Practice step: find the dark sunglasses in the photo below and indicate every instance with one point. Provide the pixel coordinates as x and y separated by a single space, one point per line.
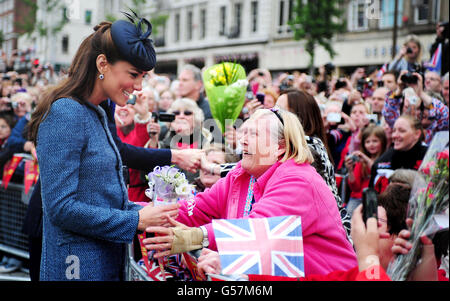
186 113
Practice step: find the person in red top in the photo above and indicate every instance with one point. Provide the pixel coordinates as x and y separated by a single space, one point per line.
359 163
132 122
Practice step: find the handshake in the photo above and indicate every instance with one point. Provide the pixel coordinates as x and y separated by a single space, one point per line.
187 159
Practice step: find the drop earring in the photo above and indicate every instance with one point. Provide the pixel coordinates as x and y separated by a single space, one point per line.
101 76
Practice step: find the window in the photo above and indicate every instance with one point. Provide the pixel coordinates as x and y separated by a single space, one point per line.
88 17
236 30
281 21
202 23
189 26
223 20
387 8
177 27
357 19
254 12
426 11
285 14
421 10
65 44
65 15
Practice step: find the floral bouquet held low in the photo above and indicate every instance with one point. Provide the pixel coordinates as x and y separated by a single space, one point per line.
225 85
168 185
427 204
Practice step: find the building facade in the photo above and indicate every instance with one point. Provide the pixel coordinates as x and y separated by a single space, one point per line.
257 34
253 32
13 16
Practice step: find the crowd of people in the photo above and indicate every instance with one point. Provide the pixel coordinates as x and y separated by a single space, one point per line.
335 137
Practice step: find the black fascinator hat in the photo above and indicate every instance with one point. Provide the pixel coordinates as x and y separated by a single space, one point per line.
133 44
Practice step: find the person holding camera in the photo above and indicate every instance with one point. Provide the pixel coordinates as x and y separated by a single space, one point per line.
359 163
409 56
410 98
442 38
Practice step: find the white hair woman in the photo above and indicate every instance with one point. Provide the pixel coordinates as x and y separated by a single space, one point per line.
187 131
274 178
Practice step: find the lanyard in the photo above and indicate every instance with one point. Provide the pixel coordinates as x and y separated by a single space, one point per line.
250 199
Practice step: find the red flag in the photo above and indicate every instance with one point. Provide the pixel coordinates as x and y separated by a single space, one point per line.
9 169
31 174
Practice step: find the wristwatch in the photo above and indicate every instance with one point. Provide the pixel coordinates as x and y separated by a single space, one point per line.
205 242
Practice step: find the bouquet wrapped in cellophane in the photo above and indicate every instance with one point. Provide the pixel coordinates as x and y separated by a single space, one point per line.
167 185
225 85
427 204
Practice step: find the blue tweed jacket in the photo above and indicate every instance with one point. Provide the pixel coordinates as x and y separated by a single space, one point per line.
87 218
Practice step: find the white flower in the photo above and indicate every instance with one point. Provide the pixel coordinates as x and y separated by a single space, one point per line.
240 83
184 189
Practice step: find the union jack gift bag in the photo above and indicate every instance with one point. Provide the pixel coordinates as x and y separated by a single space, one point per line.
261 246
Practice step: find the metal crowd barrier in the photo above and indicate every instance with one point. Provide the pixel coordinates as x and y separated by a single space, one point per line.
133 272
13 207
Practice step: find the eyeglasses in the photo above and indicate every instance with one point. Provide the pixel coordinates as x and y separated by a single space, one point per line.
276 110
186 113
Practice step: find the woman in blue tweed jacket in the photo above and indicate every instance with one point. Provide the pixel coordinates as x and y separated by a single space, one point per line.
87 218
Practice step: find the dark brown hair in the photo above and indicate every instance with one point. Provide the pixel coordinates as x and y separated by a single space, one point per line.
395 201
82 75
308 112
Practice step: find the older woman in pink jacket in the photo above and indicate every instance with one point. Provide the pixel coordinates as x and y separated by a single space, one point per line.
274 178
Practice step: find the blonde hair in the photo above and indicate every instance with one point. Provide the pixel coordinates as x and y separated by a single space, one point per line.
22 96
290 135
415 40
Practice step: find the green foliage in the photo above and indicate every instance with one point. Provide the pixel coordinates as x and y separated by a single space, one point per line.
317 22
30 25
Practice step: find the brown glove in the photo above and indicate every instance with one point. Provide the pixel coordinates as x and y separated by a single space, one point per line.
186 240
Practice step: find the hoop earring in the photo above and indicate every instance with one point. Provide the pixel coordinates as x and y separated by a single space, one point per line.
101 76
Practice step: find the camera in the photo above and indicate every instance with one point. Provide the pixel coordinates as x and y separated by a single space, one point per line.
409 50
409 78
163 117
369 203
132 99
334 117
354 158
373 118
260 97
363 84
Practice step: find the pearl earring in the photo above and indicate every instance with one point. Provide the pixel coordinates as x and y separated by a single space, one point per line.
101 76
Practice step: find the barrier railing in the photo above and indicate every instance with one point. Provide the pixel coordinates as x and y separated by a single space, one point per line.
13 207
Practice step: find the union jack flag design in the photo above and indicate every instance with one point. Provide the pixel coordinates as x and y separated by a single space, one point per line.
261 246
435 62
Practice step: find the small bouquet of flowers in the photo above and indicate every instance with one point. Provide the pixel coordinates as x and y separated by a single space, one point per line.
168 185
428 201
225 85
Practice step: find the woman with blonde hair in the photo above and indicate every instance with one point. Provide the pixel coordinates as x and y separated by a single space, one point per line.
409 56
274 178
